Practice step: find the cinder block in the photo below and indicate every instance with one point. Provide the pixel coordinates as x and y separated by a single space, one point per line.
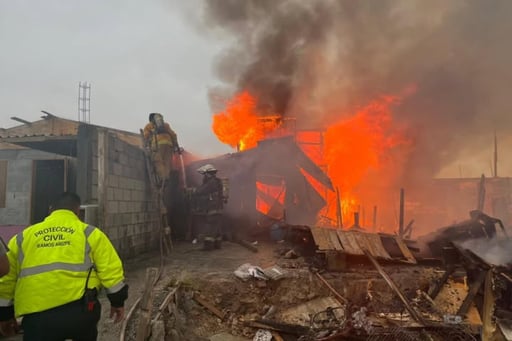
110 193
118 194
113 207
113 180
117 169
123 159
127 194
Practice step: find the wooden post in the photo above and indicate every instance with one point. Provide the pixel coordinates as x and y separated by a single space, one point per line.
481 194
495 155
374 223
414 314
402 213
488 326
146 304
339 213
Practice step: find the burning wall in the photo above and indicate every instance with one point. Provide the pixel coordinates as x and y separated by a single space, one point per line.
328 62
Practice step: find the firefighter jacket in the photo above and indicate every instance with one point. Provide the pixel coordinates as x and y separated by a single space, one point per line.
50 262
209 197
159 136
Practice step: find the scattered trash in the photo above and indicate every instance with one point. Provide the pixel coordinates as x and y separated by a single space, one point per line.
360 320
452 319
262 335
246 271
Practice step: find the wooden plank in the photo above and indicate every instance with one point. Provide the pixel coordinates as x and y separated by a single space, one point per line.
473 290
209 306
405 250
436 289
488 326
321 242
146 304
336 294
414 314
333 237
372 245
349 243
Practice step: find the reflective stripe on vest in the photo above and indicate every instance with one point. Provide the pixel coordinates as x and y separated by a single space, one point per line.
85 266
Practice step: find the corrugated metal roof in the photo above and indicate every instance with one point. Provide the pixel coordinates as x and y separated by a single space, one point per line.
354 243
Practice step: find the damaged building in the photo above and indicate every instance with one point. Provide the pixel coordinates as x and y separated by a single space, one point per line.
105 166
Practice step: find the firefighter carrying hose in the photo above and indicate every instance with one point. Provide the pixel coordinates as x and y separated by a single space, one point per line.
162 142
208 201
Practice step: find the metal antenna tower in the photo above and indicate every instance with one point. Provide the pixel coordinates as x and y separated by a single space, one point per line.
84 102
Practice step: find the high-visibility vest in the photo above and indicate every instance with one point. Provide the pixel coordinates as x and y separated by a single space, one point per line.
50 262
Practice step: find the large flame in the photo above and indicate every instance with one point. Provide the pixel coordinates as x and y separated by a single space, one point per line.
239 125
348 151
355 147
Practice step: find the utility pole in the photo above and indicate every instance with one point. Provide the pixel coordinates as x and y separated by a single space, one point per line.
84 102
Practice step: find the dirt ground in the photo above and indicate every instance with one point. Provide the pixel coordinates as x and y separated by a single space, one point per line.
210 274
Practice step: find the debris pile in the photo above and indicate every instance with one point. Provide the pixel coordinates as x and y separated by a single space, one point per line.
378 293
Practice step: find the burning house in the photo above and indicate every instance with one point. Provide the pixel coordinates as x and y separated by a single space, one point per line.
269 181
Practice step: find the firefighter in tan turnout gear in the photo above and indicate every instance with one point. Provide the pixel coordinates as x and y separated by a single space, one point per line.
56 269
208 201
162 142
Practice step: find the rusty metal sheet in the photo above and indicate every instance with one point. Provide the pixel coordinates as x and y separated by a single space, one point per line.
349 243
333 237
321 240
405 250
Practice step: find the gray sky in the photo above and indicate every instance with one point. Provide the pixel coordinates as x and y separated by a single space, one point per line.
139 56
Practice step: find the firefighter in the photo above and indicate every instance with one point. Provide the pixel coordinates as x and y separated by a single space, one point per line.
208 204
162 141
56 269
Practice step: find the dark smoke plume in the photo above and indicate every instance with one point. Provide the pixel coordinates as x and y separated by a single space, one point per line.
318 59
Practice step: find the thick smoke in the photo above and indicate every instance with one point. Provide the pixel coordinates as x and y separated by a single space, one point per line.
318 59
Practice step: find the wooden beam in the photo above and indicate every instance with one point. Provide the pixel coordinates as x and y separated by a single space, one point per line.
14 118
414 314
473 290
434 291
340 298
209 306
488 308
146 304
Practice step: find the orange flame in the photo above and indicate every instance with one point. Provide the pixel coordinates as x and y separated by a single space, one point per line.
355 147
349 150
239 124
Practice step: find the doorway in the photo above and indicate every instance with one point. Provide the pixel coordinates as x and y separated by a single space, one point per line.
50 179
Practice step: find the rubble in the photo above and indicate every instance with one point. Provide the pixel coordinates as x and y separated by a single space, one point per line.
373 297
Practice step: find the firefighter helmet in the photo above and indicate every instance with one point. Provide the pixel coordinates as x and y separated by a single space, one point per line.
208 168
152 116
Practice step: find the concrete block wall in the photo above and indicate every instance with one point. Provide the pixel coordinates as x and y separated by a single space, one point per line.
127 206
19 184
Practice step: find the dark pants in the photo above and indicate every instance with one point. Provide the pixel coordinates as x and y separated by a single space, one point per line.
69 321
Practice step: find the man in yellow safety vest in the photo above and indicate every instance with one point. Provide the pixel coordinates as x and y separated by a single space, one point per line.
56 269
